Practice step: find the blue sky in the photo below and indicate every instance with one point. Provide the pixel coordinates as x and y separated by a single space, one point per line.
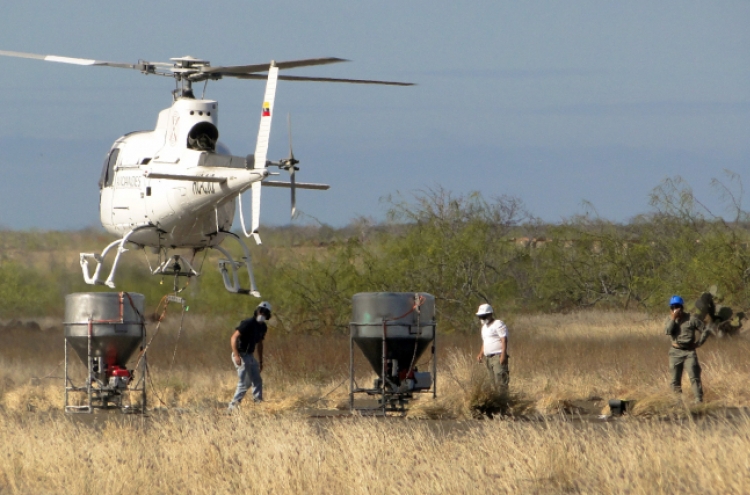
556 103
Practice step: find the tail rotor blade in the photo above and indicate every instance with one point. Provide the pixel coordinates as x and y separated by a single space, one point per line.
294 191
292 165
289 127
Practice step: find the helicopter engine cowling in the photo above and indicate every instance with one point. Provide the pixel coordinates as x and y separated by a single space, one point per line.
187 120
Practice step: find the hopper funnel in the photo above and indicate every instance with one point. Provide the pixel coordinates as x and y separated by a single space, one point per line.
115 321
405 320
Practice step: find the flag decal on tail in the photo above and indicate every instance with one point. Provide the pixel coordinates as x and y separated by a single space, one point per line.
266 110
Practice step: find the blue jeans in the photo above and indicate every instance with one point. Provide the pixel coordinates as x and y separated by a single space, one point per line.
248 374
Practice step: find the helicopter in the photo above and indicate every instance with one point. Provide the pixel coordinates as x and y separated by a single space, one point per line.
177 186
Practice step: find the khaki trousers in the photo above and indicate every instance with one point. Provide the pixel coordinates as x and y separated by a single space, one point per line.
682 359
499 373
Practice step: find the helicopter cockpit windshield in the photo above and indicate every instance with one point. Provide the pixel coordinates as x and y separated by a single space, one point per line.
108 170
203 137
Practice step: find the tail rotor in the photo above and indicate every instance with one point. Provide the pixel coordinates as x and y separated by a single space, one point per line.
290 165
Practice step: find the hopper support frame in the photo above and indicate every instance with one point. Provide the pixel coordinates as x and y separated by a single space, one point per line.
392 392
102 389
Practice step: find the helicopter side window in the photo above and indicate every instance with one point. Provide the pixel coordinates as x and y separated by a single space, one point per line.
226 161
108 171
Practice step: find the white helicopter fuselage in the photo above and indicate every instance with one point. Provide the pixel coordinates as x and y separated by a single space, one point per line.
176 186
155 178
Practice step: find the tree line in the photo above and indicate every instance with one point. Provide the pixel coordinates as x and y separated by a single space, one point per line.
464 249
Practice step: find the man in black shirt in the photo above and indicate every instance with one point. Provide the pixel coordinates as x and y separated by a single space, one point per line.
247 337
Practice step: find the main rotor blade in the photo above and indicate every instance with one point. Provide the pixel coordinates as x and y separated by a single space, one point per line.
238 71
71 60
250 69
323 79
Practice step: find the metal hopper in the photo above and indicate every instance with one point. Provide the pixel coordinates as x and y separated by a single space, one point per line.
393 330
116 324
104 329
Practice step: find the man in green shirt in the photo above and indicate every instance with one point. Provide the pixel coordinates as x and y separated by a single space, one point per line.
681 327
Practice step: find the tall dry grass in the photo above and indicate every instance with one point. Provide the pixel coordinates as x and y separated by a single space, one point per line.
209 453
555 360
559 364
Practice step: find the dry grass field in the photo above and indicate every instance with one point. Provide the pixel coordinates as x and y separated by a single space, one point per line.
563 370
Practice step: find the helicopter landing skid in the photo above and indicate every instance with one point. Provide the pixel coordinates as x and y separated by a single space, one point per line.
120 245
232 284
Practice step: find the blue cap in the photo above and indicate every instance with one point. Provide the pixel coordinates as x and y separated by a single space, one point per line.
676 300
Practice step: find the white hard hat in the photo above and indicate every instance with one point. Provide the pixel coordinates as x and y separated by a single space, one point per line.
264 305
484 309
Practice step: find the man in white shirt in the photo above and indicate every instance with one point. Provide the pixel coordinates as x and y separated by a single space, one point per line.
494 351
